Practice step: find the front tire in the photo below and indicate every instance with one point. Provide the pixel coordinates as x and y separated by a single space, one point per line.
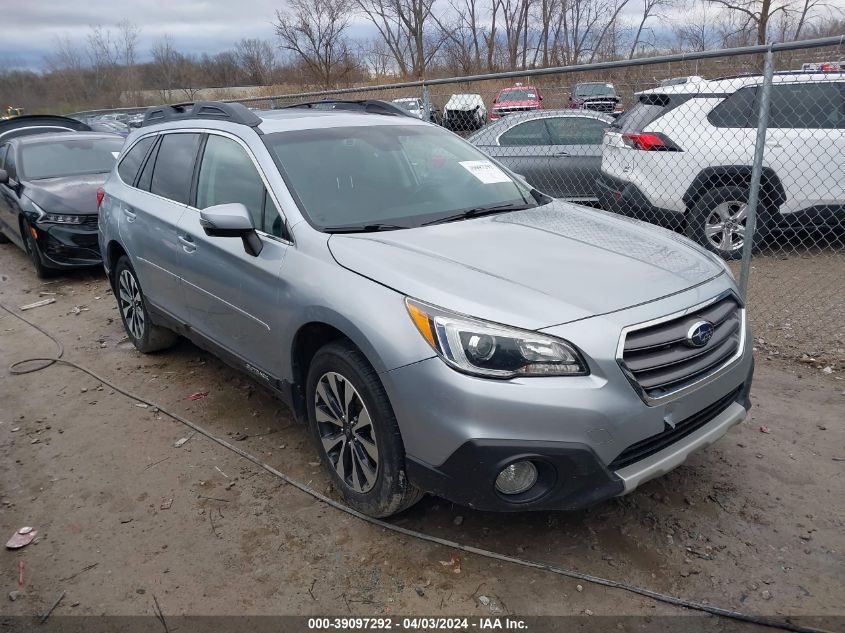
717 221
144 334
355 430
33 251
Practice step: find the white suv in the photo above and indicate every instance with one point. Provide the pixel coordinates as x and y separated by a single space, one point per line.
682 155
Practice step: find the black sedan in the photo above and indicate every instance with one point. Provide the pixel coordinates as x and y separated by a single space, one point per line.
557 151
48 195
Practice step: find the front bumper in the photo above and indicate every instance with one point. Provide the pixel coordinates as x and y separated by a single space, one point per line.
625 198
68 246
591 437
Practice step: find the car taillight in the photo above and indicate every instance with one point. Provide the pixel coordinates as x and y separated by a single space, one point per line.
650 142
101 193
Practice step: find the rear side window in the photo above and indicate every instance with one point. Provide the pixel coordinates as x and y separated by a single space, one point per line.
576 130
131 163
174 166
147 172
807 106
738 110
528 133
647 110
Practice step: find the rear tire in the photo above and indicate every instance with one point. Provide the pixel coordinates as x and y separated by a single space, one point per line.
144 334
355 431
717 221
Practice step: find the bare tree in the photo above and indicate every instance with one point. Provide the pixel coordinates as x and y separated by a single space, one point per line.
222 70
698 33
464 35
66 68
515 14
102 59
406 26
754 14
314 32
126 48
167 65
257 59
651 9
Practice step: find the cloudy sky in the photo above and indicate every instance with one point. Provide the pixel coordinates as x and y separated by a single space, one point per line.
29 27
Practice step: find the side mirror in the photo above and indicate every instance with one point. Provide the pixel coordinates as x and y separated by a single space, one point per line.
231 220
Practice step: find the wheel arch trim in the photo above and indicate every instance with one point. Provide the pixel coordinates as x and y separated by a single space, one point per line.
731 175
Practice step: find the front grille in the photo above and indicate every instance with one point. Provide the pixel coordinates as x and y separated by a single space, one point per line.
660 358
657 443
600 106
509 110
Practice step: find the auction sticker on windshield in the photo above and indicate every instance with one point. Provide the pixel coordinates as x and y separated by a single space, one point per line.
485 171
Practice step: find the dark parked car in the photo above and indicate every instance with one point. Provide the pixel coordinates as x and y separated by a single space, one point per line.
597 96
49 195
556 151
38 124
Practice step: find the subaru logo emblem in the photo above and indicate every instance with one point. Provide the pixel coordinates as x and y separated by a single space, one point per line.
700 334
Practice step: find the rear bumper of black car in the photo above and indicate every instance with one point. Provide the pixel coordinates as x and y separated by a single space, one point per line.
68 246
626 199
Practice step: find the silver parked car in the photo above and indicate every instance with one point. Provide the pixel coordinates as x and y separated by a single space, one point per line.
441 326
557 151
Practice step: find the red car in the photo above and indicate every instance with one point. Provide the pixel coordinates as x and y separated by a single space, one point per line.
517 98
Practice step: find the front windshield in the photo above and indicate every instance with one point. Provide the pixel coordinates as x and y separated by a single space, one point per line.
402 175
69 157
593 90
518 95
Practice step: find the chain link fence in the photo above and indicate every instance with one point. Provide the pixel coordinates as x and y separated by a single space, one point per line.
742 151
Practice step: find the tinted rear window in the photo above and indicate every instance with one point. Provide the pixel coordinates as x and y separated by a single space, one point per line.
174 166
130 164
807 106
648 109
69 157
736 111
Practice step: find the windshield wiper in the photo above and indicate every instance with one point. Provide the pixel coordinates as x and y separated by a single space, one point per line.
479 211
363 228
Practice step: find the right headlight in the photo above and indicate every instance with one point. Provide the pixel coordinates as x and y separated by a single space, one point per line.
492 350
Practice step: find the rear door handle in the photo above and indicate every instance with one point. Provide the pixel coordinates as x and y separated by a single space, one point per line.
188 244
130 215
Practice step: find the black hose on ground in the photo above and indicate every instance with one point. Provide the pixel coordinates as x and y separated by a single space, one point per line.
17 368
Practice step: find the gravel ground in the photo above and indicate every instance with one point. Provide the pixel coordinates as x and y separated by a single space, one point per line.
753 523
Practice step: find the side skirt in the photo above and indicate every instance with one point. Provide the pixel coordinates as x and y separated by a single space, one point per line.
282 389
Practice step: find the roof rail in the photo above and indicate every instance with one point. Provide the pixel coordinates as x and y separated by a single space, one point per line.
216 110
369 106
780 73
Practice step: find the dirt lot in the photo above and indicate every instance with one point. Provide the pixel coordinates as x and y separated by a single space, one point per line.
755 523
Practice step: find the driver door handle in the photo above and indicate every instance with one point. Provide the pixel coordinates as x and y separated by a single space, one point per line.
188 244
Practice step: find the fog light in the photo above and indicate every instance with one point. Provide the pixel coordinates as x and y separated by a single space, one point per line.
516 478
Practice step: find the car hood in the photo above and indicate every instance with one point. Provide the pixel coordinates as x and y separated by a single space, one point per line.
464 102
68 194
531 269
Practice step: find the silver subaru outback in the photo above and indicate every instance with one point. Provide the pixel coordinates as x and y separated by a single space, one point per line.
440 325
